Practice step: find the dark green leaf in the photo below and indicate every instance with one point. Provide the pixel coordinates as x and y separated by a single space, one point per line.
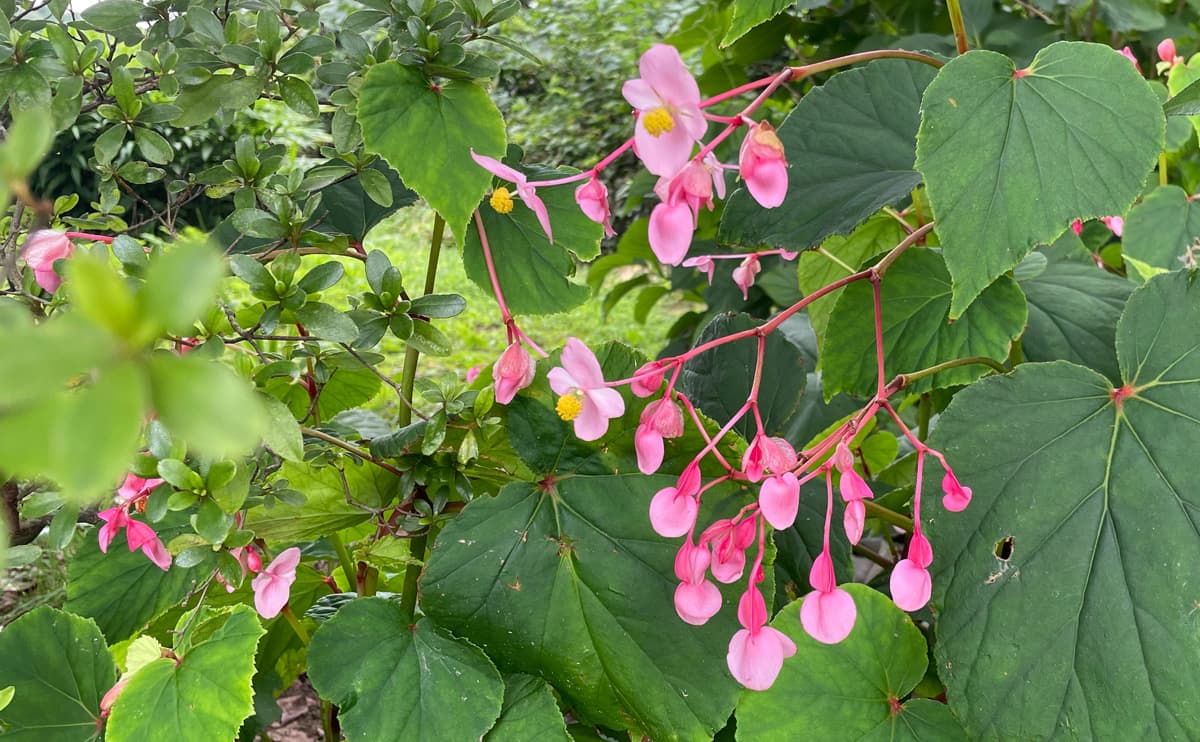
117 15
323 321
1161 232
321 277
438 305
529 713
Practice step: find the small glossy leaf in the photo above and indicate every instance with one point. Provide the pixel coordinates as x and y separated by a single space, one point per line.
438 306
323 321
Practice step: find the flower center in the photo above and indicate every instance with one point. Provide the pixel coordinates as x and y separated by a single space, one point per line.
569 405
501 200
658 122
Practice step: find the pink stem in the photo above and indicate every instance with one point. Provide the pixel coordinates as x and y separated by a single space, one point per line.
87 236
491 267
879 382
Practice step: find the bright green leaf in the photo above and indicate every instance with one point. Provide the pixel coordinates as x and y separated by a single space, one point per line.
180 284
323 321
529 713
206 404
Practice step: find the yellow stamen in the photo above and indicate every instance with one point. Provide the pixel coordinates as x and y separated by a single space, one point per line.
658 122
501 201
569 406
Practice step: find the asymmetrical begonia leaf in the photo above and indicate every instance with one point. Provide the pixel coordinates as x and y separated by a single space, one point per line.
853 689
393 681
1161 232
1011 157
1075 563
59 668
852 142
529 713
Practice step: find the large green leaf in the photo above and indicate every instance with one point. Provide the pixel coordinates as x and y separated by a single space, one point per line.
427 131
60 668
202 696
325 509
569 581
1160 232
718 381
849 690
530 713
1084 623
852 142
392 681
916 297
1073 307
535 274
1011 157
123 590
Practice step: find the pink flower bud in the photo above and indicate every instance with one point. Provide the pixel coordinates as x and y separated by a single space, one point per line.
854 519
728 542
779 499
755 657
1077 227
1114 223
920 551
843 459
513 372
704 264
744 274
1166 51
1129 55
763 166
473 374
854 487
40 250
911 585
648 379
592 198
696 602
956 497
670 231
673 513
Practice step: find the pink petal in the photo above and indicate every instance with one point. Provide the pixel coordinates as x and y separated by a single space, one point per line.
696 603
44 246
768 184
512 372
752 609
729 568
822 576
533 201
920 552
663 69
911 585
157 553
608 401
1077 226
665 154
756 657
495 167
640 95
853 487
649 446
670 232
580 362
270 594
854 519
109 530
842 458
139 534
828 617
779 499
285 563
561 381
590 423
957 497
672 514
47 279
648 379
692 120
691 562
1166 50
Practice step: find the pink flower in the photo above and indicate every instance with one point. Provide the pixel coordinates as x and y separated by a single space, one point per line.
1115 223
249 560
1077 227
744 274
779 499
1129 55
756 653
828 613
728 541
583 396
661 419
40 250
512 372
696 599
854 487
137 534
502 202
673 510
854 519
134 487
274 584
592 198
473 374
762 165
767 454
1166 52
667 100
648 379
854 490
956 497
843 459
673 220
910 582
704 264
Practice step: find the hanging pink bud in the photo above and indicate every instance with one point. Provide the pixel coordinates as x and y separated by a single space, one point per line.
592 198
648 379
661 419
911 585
843 459
670 231
854 519
854 487
729 541
920 551
762 165
779 499
828 613
1077 227
704 264
956 497
744 274
689 480
755 657
781 458
1166 51
40 250
1128 54
512 372
1114 223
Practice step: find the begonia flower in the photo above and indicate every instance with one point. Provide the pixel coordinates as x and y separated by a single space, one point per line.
501 199
40 250
1166 53
660 419
1077 227
704 264
673 220
854 490
673 510
910 583
728 542
696 599
592 198
956 497
648 379
756 653
779 500
744 274
828 613
669 119
1128 54
583 396
762 165
273 585
138 535
512 372
765 453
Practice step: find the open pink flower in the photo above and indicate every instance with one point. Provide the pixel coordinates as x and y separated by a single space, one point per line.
764 453
592 198
744 274
512 372
756 653
40 250
137 534
584 398
828 613
696 599
956 497
661 419
667 100
762 165
779 499
274 584
729 541
910 583
502 201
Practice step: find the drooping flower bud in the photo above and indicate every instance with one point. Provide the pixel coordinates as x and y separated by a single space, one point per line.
763 166
592 198
744 274
512 372
648 379
40 250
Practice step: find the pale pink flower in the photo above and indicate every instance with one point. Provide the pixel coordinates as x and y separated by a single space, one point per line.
1128 54
40 250
956 497
854 519
273 585
592 198
648 379
704 264
828 613
744 274
779 499
843 459
667 100
525 189
696 599
910 583
728 541
756 653
584 398
512 372
137 534
660 419
764 453
134 487
854 490
673 510
1114 223
762 165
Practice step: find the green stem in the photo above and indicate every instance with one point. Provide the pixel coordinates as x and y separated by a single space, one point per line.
924 412
1015 354
1162 168
863 551
327 721
960 28
294 622
344 560
889 516
983 360
408 595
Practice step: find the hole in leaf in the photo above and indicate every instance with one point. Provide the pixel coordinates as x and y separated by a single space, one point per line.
1004 548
